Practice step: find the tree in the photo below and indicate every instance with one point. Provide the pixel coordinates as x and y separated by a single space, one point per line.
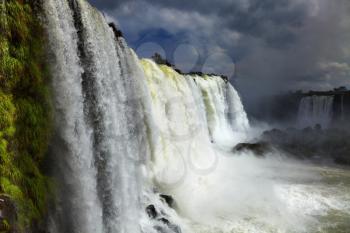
157 58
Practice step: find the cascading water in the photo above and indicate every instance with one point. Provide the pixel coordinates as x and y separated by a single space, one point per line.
81 209
315 110
112 123
128 130
101 142
191 113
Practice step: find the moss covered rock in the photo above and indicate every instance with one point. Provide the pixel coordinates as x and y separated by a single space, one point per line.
25 112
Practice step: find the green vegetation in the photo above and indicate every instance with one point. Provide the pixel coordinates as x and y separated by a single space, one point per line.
6 226
25 116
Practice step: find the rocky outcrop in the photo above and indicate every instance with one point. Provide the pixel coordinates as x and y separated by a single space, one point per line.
259 149
116 31
151 211
157 58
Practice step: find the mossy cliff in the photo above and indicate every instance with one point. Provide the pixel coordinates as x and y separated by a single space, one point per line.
25 113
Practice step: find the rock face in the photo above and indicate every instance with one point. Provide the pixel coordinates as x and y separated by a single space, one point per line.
8 215
259 148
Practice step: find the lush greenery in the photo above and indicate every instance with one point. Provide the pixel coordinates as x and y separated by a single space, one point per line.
24 110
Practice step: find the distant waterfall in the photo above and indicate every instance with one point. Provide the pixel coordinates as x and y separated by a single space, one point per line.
315 110
124 128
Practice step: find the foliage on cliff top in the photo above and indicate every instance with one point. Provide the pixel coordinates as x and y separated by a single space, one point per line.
24 110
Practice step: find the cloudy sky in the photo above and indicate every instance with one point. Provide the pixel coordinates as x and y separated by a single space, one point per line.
265 46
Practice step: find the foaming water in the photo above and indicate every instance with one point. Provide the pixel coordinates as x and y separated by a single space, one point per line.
246 194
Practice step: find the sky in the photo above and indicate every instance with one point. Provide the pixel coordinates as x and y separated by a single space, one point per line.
264 46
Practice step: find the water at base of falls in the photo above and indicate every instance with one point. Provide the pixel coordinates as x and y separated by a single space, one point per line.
128 131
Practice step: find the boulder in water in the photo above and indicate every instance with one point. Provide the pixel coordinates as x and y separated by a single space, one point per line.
259 148
151 211
167 199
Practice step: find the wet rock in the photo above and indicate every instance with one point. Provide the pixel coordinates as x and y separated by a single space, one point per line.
169 227
168 199
151 211
116 31
259 149
164 220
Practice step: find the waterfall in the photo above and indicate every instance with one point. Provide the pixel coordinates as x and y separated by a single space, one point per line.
342 112
73 149
191 113
315 110
100 119
126 129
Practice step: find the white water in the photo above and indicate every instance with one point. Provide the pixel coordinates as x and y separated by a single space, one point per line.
192 117
315 110
128 129
82 210
101 144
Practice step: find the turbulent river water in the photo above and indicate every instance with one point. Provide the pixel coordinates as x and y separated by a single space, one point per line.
128 130
272 196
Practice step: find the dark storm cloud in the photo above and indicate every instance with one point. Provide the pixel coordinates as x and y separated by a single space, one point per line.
276 44
107 4
275 21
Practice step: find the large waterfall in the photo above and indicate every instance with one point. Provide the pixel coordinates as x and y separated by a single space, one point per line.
127 129
315 110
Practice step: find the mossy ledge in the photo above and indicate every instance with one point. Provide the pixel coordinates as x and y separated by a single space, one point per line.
25 114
